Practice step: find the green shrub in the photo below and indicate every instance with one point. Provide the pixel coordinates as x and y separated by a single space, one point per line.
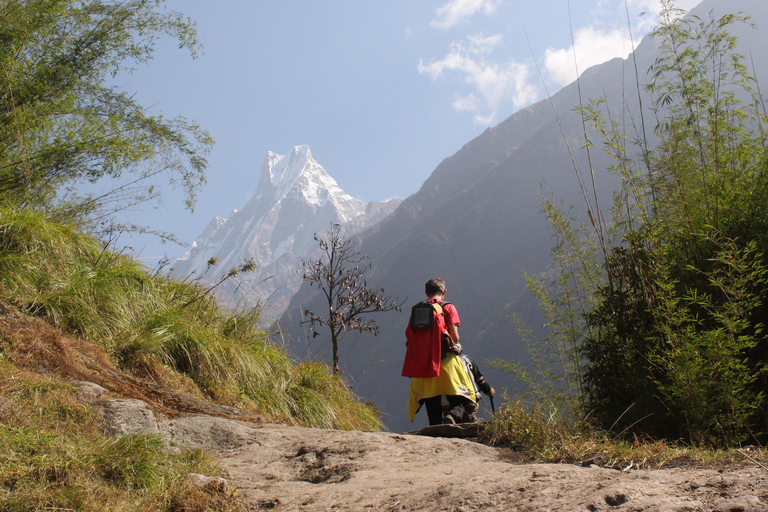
660 332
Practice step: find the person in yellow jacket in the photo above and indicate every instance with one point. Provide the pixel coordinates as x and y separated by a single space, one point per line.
453 380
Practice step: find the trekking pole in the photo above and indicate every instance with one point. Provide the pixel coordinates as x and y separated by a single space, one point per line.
493 409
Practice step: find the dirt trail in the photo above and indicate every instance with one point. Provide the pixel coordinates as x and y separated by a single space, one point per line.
291 468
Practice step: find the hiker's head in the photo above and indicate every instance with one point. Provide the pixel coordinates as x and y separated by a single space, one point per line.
434 286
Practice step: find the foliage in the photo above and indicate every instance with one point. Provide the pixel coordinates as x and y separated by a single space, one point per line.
339 275
677 349
61 121
666 329
162 328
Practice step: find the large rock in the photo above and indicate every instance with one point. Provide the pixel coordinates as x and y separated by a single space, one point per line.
206 432
127 416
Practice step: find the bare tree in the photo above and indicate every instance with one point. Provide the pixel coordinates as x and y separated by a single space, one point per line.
340 274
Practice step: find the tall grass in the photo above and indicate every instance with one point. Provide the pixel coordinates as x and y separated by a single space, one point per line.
53 456
165 329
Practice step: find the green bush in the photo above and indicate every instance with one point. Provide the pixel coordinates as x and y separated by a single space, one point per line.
676 348
655 318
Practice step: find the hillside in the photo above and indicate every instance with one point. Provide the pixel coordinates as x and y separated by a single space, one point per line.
34 345
105 365
477 220
279 467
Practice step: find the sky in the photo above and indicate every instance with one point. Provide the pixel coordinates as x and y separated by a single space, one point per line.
382 92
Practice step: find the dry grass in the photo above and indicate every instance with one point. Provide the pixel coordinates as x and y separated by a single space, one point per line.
550 438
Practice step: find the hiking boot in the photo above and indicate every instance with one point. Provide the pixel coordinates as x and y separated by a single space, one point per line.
448 420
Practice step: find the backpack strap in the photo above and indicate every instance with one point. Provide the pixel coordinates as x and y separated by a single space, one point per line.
438 306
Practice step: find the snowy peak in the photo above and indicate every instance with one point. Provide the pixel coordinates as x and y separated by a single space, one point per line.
284 170
298 173
294 199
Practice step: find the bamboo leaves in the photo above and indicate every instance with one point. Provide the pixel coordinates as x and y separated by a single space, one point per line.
62 123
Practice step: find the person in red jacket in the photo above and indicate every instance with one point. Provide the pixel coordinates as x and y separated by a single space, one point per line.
452 380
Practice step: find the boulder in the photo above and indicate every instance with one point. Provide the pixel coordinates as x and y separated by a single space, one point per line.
127 416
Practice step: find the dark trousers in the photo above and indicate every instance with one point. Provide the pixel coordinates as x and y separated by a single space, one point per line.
459 407
434 409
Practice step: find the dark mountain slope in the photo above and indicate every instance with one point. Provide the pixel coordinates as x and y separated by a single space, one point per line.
476 222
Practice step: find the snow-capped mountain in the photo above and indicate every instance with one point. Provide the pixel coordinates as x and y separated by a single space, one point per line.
294 199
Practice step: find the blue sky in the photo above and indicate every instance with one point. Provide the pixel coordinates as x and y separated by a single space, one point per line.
382 92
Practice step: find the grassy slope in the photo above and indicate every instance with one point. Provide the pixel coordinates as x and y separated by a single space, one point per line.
69 309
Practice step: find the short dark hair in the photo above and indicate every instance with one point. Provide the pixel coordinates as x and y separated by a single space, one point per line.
434 287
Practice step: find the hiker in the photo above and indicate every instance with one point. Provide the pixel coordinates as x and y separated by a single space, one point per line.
479 382
433 361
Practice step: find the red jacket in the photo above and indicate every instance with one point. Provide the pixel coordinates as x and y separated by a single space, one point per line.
422 355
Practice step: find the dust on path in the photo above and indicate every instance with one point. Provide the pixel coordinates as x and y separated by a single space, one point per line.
293 468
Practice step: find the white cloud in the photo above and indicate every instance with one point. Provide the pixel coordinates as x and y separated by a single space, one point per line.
653 6
494 83
458 11
593 47
597 45
466 103
651 9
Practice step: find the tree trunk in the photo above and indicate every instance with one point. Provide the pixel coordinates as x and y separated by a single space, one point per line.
335 354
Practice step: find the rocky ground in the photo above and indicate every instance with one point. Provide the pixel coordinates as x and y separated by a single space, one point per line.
289 468
279 467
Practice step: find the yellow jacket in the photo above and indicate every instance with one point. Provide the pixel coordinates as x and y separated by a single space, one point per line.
453 380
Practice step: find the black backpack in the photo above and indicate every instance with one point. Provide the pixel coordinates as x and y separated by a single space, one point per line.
423 317
423 314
